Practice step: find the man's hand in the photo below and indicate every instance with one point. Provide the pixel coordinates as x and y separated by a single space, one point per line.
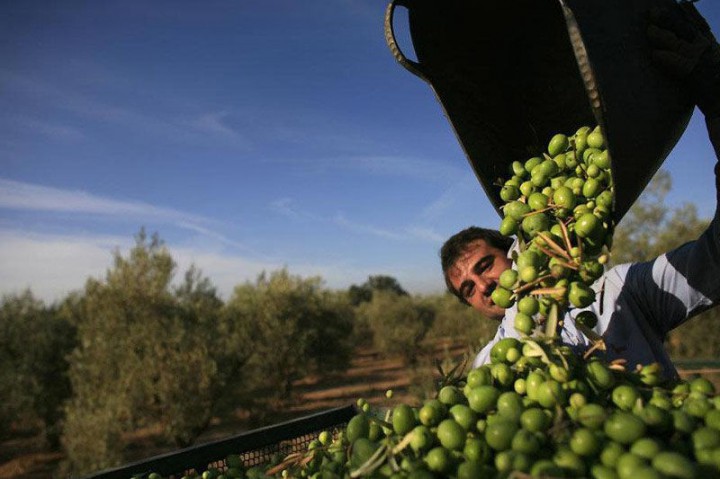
685 48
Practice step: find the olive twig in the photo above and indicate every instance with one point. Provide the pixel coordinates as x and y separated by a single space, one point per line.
531 284
537 212
291 459
393 463
380 422
556 247
548 291
565 235
589 333
597 346
580 248
373 462
404 442
573 265
617 366
547 252
560 424
621 361
556 350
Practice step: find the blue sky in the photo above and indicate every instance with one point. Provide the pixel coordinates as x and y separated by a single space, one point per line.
249 135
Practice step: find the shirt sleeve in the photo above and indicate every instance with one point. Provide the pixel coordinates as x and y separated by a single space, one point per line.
692 273
679 284
685 281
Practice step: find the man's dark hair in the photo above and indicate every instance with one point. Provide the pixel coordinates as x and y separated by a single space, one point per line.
456 245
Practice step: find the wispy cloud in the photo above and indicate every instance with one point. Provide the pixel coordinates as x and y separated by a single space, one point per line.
215 123
15 195
441 204
243 128
395 166
50 130
69 99
406 233
53 266
289 208
427 234
366 229
455 196
206 232
423 169
250 124
203 129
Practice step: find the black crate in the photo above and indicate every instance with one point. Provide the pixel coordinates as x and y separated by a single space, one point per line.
254 447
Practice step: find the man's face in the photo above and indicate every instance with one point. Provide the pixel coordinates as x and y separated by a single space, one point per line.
475 275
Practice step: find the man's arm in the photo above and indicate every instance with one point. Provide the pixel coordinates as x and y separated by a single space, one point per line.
686 280
684 47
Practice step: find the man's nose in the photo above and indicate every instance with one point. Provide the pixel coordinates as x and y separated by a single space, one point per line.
483 284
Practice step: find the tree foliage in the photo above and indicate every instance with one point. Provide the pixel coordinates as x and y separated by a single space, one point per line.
33 370
143 357
651 227
398 323
459 322
364 292
297 328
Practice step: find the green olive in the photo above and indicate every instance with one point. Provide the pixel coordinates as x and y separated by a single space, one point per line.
532 163
595 138
588 226
518 169
509 193
516 210
564 197
558 144
537 201
502 297
508 226
580 295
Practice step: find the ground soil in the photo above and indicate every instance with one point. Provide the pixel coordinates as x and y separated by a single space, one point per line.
25 455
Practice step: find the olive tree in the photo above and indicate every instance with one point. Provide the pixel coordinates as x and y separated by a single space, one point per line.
34 340
364 292
459 322
398 323
144 356
297 328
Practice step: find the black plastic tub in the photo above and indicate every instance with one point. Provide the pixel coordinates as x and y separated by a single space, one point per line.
255 447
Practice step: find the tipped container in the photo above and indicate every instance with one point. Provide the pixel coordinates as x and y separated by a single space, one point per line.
511 74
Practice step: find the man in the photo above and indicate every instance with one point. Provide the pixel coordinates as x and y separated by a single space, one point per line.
472 261
638 304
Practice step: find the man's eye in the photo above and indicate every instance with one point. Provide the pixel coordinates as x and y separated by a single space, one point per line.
483 265
468 291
